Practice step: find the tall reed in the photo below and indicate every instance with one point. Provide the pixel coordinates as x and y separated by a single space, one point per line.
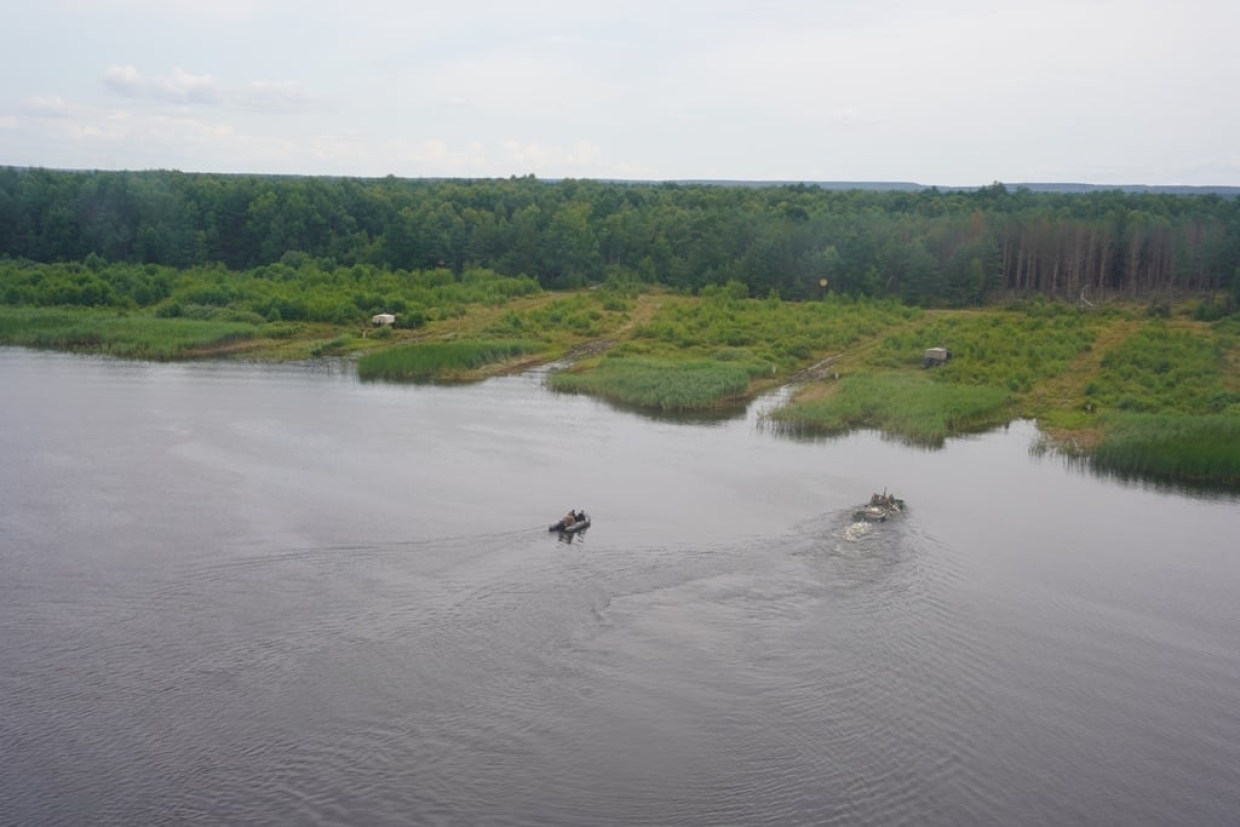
911 406
1169 446
665 385
440 360
138 336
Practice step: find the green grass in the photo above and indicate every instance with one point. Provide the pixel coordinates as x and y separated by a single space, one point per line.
786 334
588 315
1173 447
912 406
129 336
1164 370
661 384
440 360
1013 350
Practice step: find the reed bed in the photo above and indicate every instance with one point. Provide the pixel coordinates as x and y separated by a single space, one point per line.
911 406
664 385
123 336
441 360
1172 447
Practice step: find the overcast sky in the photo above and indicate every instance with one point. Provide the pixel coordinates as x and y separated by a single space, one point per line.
946 92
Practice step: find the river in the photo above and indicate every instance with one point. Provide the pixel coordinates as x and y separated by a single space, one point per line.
272 594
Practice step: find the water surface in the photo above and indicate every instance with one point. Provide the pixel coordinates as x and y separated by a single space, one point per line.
237 593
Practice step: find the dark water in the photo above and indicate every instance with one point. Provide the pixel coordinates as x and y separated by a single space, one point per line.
273 595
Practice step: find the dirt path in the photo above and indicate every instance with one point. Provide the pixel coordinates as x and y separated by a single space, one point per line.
646 306
1070 385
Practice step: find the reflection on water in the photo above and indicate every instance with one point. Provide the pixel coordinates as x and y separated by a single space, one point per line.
1083 465
713 416
273 594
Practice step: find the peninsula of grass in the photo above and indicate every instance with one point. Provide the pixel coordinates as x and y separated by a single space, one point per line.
441 361
910 406
120 334
661 384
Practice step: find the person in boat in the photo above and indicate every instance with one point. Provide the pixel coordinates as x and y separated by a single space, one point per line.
569 519
883 500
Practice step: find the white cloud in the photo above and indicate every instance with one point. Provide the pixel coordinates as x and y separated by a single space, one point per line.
576 161
337 151
268 96
125 80
437 157
189 88
46 106
103 128
179 87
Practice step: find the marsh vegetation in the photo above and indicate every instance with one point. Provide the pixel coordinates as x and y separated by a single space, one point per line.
441 360
1141 393
911 406
131 336
662 384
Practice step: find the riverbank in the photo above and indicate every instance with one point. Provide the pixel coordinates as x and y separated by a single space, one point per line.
1153 394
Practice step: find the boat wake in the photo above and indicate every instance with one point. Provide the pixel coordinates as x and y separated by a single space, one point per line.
857 530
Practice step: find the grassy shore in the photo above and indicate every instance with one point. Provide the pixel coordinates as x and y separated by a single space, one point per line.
441 360
662 384
911 406
1203 449
1138 393
128 336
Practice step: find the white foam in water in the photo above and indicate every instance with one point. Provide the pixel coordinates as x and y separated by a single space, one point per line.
857 530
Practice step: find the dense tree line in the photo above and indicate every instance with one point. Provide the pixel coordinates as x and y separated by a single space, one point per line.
928 247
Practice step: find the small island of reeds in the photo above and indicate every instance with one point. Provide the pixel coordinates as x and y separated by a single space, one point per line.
661 384
911 406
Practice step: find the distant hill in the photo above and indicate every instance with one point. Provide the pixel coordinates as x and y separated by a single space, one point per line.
839 186
910 186
1167 189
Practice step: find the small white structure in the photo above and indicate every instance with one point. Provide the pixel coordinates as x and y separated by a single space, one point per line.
935 356
383 319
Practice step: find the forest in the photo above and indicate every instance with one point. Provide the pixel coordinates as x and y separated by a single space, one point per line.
132 233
